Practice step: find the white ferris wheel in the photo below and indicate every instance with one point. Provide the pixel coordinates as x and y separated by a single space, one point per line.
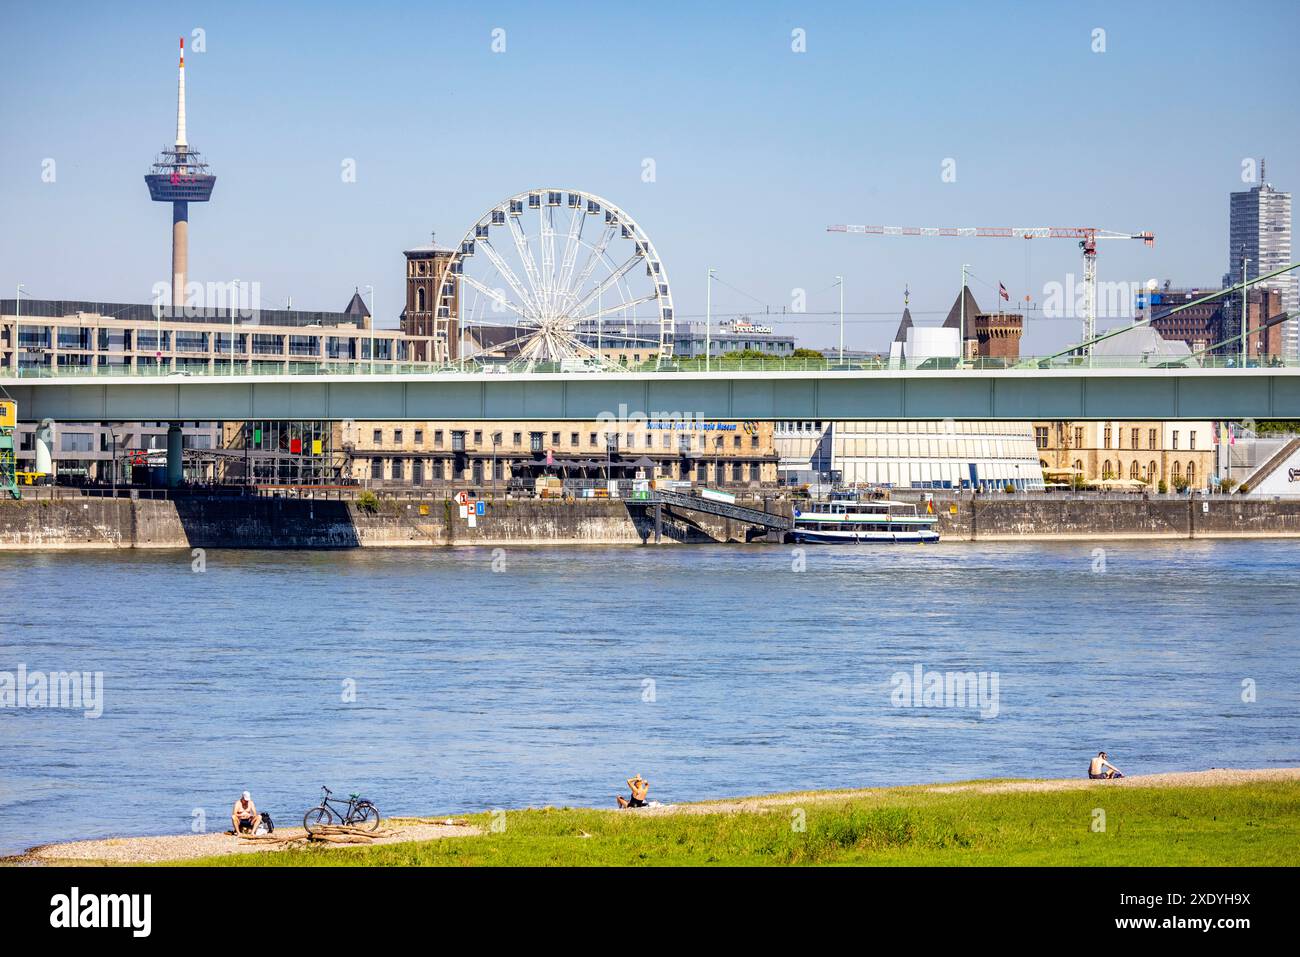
565 273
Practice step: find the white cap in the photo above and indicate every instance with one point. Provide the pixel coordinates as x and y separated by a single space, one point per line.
247 796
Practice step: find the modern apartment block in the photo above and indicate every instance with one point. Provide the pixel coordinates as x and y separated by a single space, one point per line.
68 337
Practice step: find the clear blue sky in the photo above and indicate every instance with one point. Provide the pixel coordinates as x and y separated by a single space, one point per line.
757 148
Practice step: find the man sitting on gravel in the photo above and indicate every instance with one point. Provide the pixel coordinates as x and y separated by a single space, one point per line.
244 817
1098 765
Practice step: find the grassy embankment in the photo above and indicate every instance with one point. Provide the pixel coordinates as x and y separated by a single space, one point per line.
1245 825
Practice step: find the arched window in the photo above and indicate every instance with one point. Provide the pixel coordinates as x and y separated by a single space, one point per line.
1178 471
1078 466
1105 469
1153 472
1134 470
1191 473
419 300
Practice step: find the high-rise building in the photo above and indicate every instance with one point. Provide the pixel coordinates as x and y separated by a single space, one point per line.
1259 229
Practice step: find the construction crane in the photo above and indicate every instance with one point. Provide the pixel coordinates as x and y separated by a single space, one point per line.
1087 237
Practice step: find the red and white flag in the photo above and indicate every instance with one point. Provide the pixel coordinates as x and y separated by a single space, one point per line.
1002 291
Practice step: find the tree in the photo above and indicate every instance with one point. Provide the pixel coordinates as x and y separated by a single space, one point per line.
746 354
802 353
1270 426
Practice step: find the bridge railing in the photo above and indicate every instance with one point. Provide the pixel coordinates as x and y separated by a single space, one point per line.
148 369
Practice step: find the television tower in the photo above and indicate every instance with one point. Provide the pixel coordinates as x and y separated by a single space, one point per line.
180 177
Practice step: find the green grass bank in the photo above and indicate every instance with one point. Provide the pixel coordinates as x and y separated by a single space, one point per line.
981 823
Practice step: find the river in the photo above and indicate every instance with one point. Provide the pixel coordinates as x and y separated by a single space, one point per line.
457 680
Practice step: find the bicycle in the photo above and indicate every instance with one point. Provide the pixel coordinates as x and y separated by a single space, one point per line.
358 813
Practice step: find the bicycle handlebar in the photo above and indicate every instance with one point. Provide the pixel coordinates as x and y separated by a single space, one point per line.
325 789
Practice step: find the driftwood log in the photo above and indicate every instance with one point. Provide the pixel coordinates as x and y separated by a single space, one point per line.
325 834
273 838
347 834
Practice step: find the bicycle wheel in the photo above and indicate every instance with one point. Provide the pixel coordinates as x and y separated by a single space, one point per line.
318 817
366 816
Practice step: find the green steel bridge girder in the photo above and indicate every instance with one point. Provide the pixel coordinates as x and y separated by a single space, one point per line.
1016 395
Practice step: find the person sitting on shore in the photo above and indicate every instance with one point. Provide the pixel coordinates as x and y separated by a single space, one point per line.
639 786
244 816
1098 765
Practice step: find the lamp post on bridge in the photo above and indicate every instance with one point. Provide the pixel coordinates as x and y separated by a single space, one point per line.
839 281
232 328
708 320
1244 306
371 290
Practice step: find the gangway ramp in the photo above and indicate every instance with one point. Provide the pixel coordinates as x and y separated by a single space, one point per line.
740 513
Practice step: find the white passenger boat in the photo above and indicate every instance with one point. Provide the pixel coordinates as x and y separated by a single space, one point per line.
865 522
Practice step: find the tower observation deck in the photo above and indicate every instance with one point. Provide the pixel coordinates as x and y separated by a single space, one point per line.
180 177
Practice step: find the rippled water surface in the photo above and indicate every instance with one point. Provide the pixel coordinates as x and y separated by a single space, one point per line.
710 670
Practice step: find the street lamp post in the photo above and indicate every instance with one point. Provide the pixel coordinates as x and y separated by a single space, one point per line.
113 470
232 328
708 321
1244 307
839 281
496 440
371 290
961 335
157 344
18 314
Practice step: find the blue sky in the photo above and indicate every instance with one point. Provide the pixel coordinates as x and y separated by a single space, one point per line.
756 148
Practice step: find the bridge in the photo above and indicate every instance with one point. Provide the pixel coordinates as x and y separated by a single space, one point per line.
1021 393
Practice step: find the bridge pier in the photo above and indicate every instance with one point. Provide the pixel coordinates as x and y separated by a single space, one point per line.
175 463
659 521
